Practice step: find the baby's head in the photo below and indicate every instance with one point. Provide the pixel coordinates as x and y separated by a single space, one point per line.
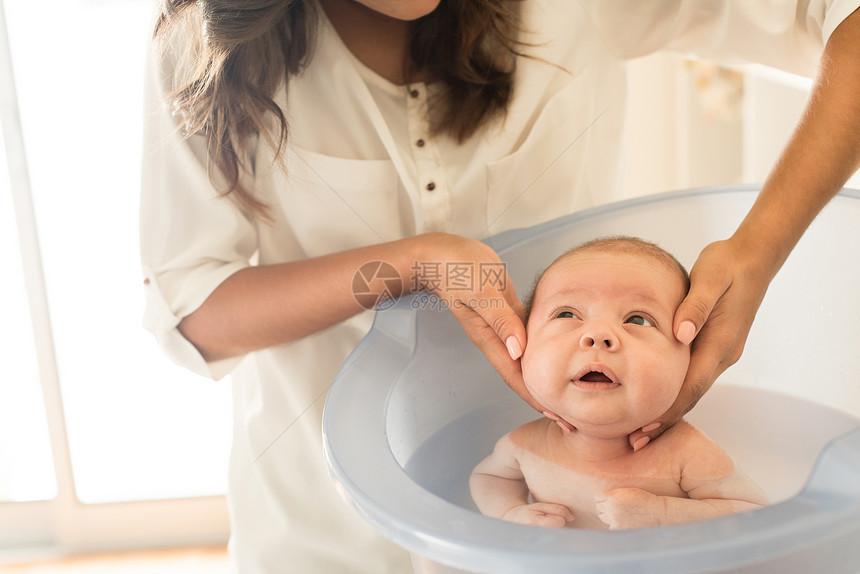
601 351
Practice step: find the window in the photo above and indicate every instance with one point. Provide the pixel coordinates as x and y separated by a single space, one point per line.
94 420
26 470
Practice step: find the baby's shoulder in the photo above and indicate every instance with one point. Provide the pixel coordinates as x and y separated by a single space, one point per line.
683 433
691 446
532 436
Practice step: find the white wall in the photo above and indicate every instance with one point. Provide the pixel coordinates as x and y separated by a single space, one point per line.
691 124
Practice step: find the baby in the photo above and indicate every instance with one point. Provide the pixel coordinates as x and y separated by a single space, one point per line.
603 360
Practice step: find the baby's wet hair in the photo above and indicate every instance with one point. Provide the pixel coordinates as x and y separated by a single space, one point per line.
614 244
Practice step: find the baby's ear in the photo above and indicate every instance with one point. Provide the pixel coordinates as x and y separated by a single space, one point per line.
565 426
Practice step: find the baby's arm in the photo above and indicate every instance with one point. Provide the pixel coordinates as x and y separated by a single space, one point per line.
715 486
499 490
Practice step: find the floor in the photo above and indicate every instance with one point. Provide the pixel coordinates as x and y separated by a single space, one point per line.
208 560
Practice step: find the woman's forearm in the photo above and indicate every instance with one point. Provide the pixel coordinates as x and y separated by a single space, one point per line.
823 153
268 305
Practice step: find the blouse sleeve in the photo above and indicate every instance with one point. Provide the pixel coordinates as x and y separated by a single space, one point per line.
785 34
191 238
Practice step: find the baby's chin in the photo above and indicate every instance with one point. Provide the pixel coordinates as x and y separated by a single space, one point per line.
608 429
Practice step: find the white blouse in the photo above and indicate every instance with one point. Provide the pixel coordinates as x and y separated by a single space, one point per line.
361 168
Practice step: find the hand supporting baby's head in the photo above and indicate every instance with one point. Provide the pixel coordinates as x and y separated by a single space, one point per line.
601 350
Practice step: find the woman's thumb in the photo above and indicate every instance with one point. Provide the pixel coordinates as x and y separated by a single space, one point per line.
694 310
515 348
508 325
509 328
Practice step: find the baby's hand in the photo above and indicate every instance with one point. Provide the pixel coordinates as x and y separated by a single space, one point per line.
540 514
622 508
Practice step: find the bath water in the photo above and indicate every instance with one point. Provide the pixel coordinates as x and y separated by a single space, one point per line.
775 438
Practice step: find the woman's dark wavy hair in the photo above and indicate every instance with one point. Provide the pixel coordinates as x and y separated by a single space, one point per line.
239 52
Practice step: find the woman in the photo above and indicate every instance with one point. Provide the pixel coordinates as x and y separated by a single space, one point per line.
290 143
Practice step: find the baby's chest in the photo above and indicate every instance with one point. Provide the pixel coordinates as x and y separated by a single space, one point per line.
576 487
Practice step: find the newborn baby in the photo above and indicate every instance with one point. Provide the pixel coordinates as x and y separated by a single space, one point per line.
602 358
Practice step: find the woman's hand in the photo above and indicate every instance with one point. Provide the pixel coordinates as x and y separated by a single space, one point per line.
473 283
727 287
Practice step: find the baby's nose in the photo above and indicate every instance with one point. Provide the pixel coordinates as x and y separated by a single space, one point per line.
598 337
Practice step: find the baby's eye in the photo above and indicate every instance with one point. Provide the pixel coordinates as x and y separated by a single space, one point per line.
565 315
639 320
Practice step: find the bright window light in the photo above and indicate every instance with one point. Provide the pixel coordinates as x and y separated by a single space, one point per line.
26 468
138 427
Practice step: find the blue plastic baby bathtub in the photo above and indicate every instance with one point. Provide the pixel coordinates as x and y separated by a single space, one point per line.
416 406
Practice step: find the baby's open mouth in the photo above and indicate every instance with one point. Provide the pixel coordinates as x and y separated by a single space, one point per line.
595 377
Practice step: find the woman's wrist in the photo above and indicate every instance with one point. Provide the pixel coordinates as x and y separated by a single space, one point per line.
771 229
761 254
423 260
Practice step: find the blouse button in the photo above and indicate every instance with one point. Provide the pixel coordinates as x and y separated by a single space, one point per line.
431 186
414 93
420 143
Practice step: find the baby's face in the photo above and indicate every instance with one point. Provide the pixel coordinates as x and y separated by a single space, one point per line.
601 352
